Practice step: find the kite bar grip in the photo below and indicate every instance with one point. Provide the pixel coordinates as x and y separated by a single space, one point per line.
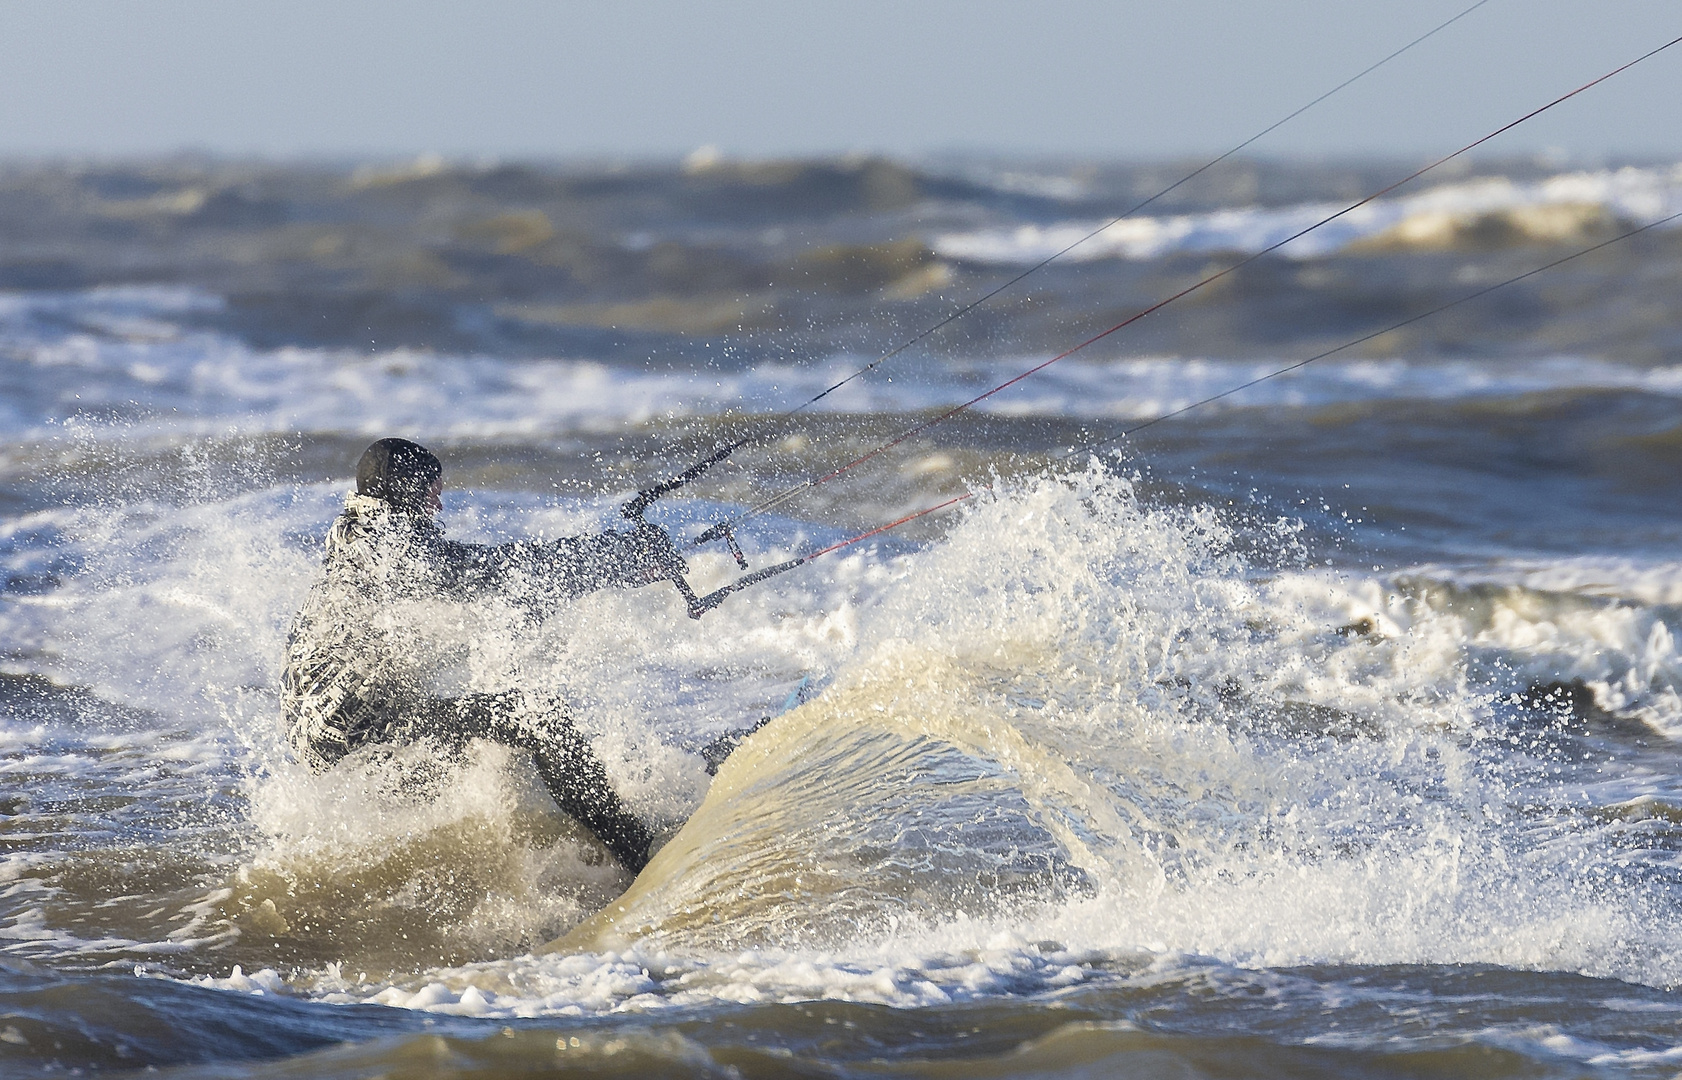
700 605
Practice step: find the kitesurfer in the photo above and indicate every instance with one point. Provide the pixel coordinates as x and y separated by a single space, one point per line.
354 677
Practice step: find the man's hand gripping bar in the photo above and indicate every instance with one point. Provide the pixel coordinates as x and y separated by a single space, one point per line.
700 605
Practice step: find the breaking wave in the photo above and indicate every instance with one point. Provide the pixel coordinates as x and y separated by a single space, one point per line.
1079 727
1560 208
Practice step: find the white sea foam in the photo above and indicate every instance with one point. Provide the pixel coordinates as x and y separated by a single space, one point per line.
111 364
1631 194
1608 623
1152 747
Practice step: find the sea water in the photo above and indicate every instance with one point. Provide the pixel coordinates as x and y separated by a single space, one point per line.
1329 730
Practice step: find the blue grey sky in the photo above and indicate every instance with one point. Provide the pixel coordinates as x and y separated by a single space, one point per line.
640 78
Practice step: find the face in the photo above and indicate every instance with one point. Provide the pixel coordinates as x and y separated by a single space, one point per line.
433 503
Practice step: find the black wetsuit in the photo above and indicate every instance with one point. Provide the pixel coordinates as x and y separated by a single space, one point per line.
351 676
569 768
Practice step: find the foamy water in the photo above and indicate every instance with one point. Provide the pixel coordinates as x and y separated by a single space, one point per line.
1144 744
1547 208
127 363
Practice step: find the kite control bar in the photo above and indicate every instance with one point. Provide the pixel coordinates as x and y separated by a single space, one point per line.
700 605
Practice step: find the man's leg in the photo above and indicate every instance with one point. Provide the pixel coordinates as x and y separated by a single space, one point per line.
569 768
722 747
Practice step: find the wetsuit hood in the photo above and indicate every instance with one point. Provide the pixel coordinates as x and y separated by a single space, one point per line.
398 472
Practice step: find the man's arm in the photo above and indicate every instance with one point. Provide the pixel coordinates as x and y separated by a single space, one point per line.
581 564
569 567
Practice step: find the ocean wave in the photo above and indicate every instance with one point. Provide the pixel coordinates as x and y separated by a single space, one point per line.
1544 210
129 364
1607 625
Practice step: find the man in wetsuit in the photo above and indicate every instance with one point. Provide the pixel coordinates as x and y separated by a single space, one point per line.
351 677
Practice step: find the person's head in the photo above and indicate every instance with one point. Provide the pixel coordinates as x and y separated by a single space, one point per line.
404 475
